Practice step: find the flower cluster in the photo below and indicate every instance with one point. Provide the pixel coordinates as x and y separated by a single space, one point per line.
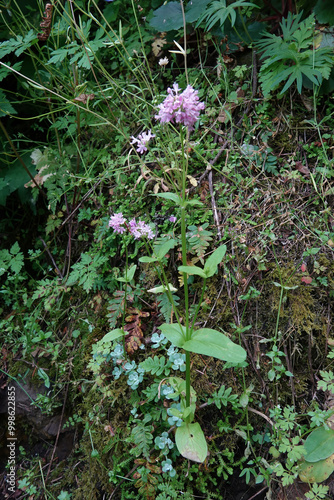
138 229
142 141
180 108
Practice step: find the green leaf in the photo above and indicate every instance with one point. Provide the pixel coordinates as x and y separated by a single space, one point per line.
213 343
324 12
129 275
161 250
175 333
193 202
319 445
170 196
163 289
195 9
191 442
147 259
112 335
41 373
214 260
5 106
168 17
192 270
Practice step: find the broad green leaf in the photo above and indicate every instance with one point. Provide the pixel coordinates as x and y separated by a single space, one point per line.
112 335
216 344
191 442
211 264
324 12
170 196
168 17
194 9
175 333
316 472
319 445
192 270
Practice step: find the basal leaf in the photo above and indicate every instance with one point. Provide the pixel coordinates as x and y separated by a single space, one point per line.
191 442
175 333
319 444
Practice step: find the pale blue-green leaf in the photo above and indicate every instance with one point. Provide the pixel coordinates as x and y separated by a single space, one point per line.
213 343
191 442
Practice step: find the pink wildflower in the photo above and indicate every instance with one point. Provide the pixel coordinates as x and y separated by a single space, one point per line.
172 218
142 141
139 229
116 222
180 108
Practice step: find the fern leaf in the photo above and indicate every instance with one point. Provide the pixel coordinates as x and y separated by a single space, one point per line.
156 365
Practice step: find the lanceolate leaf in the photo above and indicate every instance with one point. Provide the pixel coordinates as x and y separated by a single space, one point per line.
192 270
211 264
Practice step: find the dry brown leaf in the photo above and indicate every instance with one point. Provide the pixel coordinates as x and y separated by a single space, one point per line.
302 168
84 98
157 46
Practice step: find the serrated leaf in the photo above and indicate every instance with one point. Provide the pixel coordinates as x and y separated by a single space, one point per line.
6 107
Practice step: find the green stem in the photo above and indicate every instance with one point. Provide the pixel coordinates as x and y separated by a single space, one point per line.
184 262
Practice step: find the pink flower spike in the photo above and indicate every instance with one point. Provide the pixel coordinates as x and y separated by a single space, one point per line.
139 229
116 223
182 108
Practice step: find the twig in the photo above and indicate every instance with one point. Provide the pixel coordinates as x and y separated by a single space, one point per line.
51 257
214 206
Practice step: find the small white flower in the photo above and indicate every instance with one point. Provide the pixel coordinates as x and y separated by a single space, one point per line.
163 62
